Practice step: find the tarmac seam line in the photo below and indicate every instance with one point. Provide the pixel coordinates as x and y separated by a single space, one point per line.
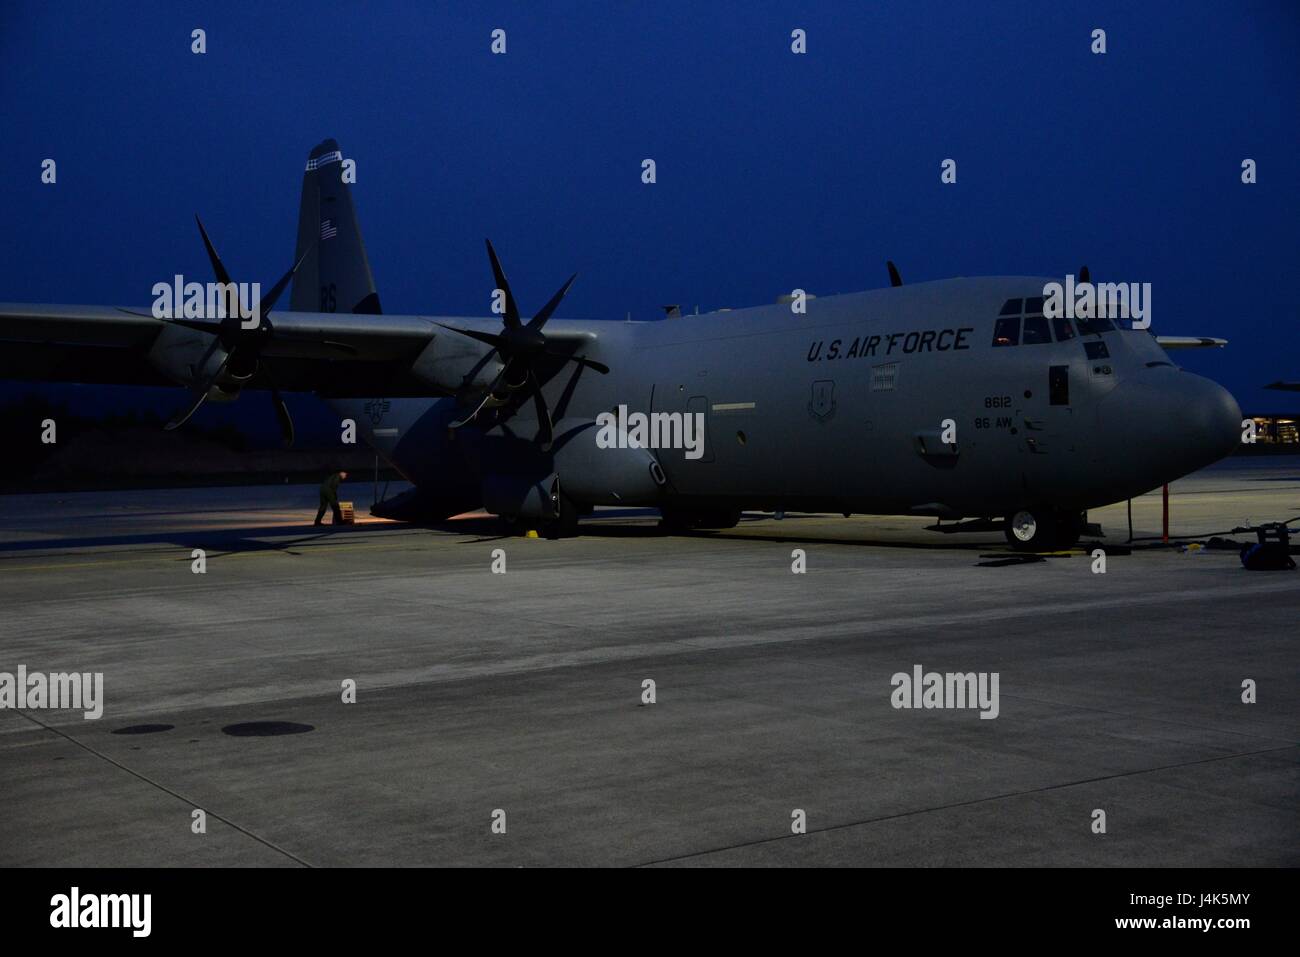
166 790
958 804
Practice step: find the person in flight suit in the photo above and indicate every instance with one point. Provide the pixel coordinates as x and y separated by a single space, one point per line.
329 497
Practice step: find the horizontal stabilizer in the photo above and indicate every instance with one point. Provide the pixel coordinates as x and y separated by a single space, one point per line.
1190 342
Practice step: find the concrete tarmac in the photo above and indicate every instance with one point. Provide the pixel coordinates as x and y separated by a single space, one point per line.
519 696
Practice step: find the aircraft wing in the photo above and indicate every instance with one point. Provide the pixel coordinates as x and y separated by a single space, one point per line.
337 355
78 344
1190 342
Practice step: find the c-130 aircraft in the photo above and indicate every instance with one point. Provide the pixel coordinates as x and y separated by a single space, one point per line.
953 399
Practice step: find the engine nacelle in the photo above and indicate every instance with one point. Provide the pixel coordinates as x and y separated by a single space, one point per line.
452 364
178 353
517 496
596 476
182 356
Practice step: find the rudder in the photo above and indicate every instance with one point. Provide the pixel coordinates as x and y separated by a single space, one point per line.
335 276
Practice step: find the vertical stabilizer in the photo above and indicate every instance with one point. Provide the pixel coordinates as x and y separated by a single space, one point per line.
335 276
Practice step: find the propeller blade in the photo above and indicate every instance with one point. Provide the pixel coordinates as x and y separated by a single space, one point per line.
281 409
217 267
490 338
282 413
543 413
180 418
228 327
470 418
487 395
581 360
268 301
183 416
511 317
539 320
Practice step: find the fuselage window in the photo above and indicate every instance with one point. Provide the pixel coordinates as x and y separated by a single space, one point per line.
1064 330
1011 307
1034 304
1036 330
1087 326
1007 331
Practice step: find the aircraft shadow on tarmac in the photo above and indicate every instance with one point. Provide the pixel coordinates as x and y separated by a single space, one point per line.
218 540
482 528
490 528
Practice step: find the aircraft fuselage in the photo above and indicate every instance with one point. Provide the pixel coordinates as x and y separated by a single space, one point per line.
893 401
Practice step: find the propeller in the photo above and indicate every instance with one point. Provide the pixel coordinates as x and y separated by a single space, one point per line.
242 346
519 346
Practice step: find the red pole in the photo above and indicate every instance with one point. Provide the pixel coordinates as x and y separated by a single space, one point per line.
1165 495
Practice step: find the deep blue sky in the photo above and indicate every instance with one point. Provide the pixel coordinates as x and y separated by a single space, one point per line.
775 170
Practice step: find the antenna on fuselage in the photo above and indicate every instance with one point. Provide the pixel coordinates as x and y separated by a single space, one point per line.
894 278
1084 275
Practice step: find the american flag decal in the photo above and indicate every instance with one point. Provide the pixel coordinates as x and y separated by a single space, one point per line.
327 229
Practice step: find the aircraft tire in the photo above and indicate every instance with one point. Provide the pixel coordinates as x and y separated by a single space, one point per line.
1043 530
564 525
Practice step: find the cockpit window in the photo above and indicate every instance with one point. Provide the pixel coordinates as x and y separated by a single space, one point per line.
1036 330
1011 307
1063 328
1033 305
1097 325
1007 331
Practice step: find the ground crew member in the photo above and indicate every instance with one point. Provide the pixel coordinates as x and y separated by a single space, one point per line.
329 496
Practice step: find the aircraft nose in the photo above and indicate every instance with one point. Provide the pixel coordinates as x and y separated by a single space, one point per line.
1171 423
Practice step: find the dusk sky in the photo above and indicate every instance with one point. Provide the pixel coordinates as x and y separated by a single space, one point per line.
775 170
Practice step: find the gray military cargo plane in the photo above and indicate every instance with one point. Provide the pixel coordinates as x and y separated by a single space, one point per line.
955 399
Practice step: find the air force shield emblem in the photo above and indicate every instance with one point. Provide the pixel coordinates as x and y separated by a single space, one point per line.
822 404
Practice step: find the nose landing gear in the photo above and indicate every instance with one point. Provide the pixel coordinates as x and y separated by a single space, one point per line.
1043 529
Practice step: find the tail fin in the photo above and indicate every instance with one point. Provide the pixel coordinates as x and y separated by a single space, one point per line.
335 276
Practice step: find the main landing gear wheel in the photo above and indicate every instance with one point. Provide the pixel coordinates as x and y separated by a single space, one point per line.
1043 530
564 525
